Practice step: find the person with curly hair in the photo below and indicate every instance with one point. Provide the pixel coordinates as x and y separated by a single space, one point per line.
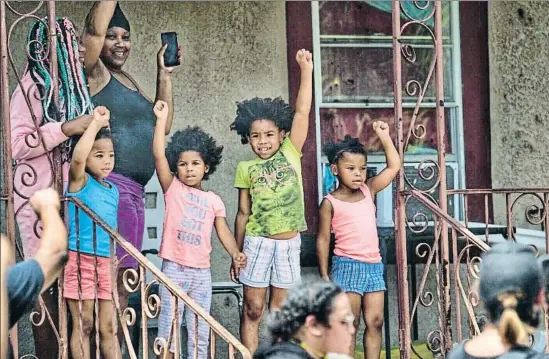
190 215
271 208
350 213
314 322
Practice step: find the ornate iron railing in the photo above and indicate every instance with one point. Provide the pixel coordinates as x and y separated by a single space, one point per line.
445 244
135 280
466 248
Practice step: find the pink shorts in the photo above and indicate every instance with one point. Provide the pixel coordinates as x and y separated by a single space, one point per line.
87 277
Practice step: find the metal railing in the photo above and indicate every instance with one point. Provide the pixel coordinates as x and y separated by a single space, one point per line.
467 240
442 243
134 281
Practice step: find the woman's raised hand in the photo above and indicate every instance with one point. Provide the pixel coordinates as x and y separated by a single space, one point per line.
160 59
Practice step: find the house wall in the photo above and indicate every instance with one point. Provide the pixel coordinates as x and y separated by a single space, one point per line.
519 100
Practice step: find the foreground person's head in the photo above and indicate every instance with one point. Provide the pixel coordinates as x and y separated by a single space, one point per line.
316 316
511 288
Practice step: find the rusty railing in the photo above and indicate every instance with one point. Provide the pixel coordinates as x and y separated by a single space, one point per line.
466 248
134 281
440 242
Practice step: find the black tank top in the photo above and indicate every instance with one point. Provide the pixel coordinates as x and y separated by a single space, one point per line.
132 125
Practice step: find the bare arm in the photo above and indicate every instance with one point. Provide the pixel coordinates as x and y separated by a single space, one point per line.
165 176
385 177
52 251
95 30
52 254
323 237
77 171
242 216
164 87
300 124
226 236
164 92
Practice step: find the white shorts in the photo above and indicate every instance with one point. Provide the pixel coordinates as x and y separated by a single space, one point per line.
271 262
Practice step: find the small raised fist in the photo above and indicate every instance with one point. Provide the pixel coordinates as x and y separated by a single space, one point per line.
161 110
101 115
305 59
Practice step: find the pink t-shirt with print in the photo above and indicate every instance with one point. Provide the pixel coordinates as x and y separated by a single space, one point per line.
188 222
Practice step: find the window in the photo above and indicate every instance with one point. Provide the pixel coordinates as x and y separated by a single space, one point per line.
150 200
354 87
152 233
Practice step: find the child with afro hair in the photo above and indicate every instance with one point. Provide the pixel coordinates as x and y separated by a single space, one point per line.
271 209
350 213
190 215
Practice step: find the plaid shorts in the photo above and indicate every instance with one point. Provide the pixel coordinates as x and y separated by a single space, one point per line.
356 276
271 262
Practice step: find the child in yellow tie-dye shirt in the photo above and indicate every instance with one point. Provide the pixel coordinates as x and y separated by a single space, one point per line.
271 210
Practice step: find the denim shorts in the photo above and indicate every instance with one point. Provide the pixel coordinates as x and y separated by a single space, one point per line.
356 276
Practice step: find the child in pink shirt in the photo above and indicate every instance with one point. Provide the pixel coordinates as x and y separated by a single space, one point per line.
350 212
190 215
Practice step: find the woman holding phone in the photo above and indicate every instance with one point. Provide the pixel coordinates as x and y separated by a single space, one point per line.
108 43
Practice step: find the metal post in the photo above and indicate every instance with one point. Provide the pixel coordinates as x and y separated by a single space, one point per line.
443 200
6 141
404 336
57 161
57 174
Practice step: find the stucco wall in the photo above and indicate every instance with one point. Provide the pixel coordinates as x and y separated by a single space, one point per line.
519 100
232 51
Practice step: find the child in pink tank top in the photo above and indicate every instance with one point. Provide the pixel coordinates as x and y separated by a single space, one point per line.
190 215
350 212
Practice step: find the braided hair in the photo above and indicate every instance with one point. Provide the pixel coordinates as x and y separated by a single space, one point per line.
74 96
334 151
314 299
510 281
194 139
249 111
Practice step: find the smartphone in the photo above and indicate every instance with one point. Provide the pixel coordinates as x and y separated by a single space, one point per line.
171 57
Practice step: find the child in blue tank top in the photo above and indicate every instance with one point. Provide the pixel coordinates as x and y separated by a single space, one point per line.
88 271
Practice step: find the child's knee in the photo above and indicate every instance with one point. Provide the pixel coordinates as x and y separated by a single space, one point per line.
374 322
87 325
254 308
106 329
